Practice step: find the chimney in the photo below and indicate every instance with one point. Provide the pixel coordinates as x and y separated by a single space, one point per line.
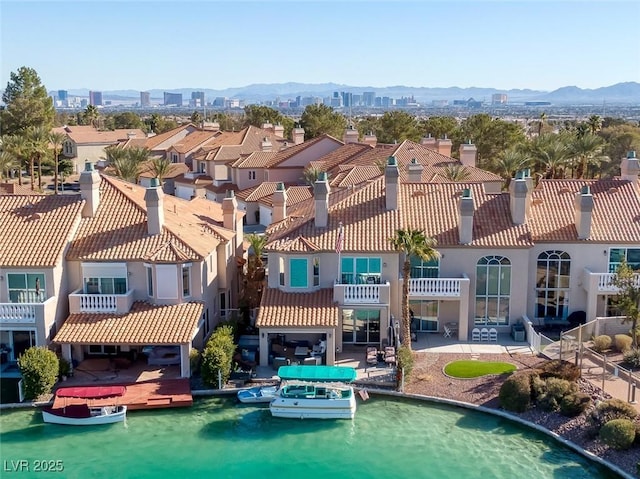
370 139
465 210
583 207
153 198
429 142
267 126
89 190
297 135
279 203
444 146
266 145
415 171
391 174
468 154
131 134
321 192
351 135
229 210
630 168
518 198
278 130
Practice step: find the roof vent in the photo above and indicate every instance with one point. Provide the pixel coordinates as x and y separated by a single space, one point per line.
418 193
612 190
564 190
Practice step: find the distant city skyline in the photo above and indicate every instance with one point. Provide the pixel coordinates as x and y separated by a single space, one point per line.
145 45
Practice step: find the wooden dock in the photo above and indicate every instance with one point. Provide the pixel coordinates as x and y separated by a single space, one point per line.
152 394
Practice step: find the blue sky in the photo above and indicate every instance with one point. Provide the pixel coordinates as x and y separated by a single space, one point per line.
142 45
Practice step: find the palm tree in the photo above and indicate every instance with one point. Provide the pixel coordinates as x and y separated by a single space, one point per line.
91 115
310 175
413 243
127 165
586 151
255 270
595 124
509 162
18 146
160 167
114 152
456 173
543 117
551 153
38 138
7 163
56 139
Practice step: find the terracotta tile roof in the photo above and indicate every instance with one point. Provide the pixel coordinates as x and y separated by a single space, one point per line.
354 175
193 140
156 140
295 195
35 229
15 189
222 188
257 159
301 310
199 180
615 216
340 155
257 192
291 151
145 324
175 169
118 231
230 148
88 134
430 207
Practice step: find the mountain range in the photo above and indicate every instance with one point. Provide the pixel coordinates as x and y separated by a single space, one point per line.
620 93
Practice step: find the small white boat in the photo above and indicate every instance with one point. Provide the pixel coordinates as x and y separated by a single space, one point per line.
84 415
258 394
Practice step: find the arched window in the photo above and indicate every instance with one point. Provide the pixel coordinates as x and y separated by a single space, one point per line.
493 288
552 284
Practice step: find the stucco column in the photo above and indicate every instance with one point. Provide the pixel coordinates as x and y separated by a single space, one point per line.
66 352
592 305
463 318
185 362
331 347
264 348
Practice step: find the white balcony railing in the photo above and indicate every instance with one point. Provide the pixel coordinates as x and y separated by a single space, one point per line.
605 282
100 303
449 287
25 313
361 293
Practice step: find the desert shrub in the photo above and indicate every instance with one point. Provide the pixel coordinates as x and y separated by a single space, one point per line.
632 358
405 361
609 410
39 368
574 404
601 343
618 433
538 387
560 369
194 360
622 342
515 392
554 390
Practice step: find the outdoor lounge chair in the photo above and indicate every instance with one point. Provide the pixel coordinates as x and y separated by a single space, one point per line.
390 355
475 334
484 334
493 334
372 355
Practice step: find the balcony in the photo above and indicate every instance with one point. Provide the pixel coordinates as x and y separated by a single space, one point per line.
602 282
100 303
435 287
26 313
361 293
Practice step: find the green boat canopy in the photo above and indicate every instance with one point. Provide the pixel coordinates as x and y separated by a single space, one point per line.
317 373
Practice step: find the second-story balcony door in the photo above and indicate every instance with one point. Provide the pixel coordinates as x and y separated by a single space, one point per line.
105 285
26 287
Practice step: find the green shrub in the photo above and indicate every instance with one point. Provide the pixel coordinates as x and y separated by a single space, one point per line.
405 361
632 358
560 369
39 368
574 404
554 390
611 409
194 361
64 367
538 387
217 356
601 343
515 392
622 342
618 433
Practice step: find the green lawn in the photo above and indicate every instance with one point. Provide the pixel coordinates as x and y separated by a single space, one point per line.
475 369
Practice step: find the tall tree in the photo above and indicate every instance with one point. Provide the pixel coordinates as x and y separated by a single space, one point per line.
509 162
18 146
439 126
7 164
398 126
160 167
491 136
56 139
321 119
628 300
595 124
91 116
38 138
27 103
411 243
586 152
254 282
551 154
542 119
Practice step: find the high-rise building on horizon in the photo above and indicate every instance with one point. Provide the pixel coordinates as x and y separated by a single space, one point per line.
197 99
369 98
498 99
63 98
172 99
95 98
145 99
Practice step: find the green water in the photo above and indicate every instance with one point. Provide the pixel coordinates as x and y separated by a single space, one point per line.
218 439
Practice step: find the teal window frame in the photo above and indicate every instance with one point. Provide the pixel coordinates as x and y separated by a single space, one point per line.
631 255
356 270
22 287
424 269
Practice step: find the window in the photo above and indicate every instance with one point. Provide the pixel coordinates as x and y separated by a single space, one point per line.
493 287
361 326
252 175
424 315
186 280
360 270
149 281
26 287
424 269
68 148
202 167
105 285
616 255
281 275
298 272
552 284
174 158
167 281
100 349
316 271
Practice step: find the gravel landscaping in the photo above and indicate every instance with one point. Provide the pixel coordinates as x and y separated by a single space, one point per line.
429 379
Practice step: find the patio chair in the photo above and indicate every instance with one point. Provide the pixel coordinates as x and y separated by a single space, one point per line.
493 334
475 334
390 355
447 332
484 334
372 355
